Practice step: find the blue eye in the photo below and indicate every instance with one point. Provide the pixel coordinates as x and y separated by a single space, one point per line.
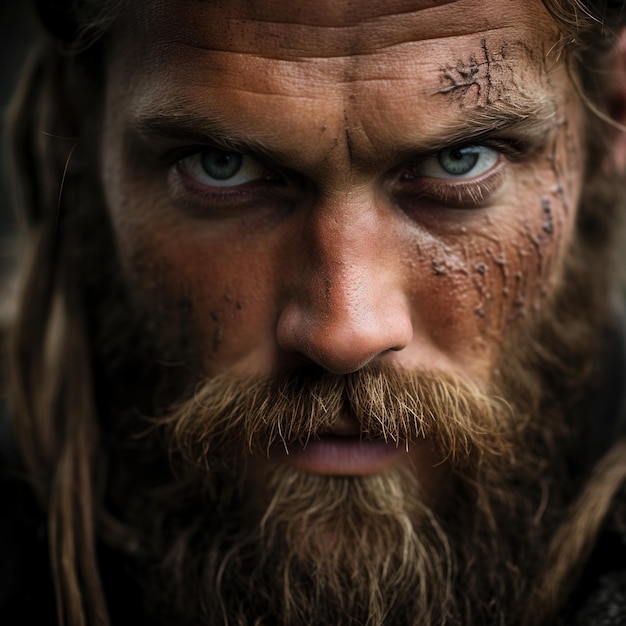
221 168
463 162
221 165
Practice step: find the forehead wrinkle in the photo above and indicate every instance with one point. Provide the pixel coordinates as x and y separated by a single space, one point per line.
347 12
226 29
534 102
205 68
358 46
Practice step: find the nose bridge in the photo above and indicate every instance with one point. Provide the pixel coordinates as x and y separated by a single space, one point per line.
345 240
346 305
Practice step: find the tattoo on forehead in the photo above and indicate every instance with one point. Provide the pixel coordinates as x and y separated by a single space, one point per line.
480 80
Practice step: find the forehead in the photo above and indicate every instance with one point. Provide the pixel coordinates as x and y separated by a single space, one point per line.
330 28
336 31
333 63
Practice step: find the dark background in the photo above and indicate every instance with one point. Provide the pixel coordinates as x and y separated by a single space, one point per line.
17 28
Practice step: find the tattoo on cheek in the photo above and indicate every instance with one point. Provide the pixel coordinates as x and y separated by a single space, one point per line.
519 301
564 159
511 280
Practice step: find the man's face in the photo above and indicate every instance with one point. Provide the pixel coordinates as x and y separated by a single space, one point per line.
340 184
334 219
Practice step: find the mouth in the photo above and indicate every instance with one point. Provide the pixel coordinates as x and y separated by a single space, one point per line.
343 451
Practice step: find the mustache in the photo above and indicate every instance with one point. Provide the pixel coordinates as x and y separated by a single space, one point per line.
228 418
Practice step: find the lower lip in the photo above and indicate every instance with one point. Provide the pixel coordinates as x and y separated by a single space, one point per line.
343 456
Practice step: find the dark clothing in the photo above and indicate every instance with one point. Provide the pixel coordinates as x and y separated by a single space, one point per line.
600 599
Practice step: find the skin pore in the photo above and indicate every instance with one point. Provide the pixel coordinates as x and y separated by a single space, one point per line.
339 194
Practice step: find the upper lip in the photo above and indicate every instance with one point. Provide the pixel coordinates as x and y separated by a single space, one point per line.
345 426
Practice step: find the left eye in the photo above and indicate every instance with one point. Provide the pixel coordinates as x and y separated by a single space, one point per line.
220 168
458 163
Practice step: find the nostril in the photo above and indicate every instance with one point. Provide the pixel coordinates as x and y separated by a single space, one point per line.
343 340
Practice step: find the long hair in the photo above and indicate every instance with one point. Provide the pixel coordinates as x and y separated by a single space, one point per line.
50 375
51 342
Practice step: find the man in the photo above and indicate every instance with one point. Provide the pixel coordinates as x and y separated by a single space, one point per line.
320 315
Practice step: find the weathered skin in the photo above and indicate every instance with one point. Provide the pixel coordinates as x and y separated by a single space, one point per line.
349 253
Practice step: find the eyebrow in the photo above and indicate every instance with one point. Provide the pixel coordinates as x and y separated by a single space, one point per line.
529 123
191 128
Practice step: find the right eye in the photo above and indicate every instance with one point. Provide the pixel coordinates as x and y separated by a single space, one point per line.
459 163
221 168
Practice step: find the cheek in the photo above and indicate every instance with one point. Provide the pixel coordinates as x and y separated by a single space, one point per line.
202 303
470 287
451 291
544 230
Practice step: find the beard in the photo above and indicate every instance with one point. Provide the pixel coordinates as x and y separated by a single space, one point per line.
284 546
216 541
226 544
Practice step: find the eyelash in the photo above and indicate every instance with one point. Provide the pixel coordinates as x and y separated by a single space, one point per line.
455 194
185 187
470 193
463 194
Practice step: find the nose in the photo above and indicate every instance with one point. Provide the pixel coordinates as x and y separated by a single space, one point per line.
346 303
